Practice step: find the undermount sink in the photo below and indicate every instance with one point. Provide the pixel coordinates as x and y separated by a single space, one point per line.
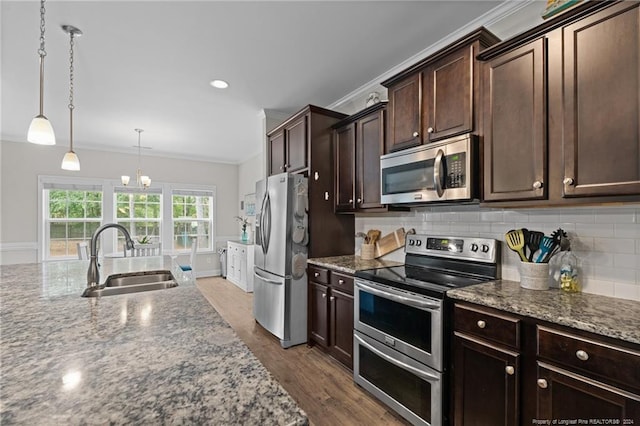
133 282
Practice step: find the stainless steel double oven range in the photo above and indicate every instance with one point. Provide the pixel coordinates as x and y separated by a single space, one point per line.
401 348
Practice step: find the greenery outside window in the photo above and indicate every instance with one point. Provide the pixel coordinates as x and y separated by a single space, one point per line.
140 212
192 217
72 213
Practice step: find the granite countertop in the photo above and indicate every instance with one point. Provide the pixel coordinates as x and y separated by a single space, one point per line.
158 357
351 263
607 316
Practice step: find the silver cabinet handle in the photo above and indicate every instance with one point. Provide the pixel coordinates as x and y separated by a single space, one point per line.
582 355
316 274
359 200
509 370
542 383
568 181
430 130
287 165
350 200
481 324
332 298
324 295
537 184
416 134
282 168
340 281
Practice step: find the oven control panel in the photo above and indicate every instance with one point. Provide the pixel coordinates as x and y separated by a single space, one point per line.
470 248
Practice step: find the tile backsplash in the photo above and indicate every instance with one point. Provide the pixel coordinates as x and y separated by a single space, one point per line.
606 240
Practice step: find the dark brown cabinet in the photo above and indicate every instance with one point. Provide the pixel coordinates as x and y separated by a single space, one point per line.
515 158
435 98
405 98
448 95
331 312
303 144
288 147
358 144
562 110
486 378
512 370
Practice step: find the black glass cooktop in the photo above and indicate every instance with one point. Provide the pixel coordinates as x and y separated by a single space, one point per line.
421 280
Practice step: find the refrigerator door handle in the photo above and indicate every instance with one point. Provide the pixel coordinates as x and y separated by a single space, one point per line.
266 217
256 274
262 234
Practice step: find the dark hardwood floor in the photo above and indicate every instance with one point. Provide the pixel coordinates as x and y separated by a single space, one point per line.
322 387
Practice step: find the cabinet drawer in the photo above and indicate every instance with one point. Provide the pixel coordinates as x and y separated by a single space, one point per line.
319 275
502 329
606 361
342 282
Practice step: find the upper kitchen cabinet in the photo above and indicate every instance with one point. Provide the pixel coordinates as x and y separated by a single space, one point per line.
358 145
303 142
288 146
562 110
435 98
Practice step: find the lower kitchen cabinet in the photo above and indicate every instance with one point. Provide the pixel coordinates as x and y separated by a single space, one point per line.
331 313
240 265
512 370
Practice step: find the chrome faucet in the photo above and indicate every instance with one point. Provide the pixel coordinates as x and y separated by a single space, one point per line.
93 274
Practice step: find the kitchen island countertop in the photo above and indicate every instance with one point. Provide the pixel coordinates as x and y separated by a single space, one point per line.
158 357
351 263
607 316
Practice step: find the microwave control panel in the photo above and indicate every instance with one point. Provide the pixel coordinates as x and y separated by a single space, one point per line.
456 170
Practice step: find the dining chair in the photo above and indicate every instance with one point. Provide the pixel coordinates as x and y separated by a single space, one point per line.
83 250
190 268
149 249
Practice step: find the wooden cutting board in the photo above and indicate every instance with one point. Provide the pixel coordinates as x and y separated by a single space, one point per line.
390 242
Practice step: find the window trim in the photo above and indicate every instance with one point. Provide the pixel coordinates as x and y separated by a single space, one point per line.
198 192
108 209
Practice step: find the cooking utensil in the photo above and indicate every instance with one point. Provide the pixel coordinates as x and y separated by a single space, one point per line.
557 236
534 239
546 246
374 235
515 241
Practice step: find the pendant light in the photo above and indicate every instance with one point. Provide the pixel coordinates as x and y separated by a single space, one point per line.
70 160
143 181
40 130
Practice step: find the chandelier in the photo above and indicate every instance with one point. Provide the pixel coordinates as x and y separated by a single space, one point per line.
143 181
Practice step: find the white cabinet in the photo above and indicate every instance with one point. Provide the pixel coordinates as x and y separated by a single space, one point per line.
240 264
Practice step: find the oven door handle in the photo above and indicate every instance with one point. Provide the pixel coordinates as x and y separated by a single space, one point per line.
422 374
420 304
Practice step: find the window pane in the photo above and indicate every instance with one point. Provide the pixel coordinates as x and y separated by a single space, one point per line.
76 231
94 210
123 211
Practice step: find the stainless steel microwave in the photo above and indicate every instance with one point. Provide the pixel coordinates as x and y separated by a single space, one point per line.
440 171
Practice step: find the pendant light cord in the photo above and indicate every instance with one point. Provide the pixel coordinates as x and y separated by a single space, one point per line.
42 53
71 107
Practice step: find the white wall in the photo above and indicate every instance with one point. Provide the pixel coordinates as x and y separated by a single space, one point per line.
23 162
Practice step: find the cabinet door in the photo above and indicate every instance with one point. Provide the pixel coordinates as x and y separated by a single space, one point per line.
341 314
296 138
369 148
405 99
448 101
318 313
485 383
601 103
565 395
345 158
276 153
515 143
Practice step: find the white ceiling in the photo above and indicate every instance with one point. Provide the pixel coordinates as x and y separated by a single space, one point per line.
147 64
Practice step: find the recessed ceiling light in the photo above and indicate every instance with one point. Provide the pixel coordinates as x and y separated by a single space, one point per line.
219 84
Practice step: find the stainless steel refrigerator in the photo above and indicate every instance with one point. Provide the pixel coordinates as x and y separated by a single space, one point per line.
280 281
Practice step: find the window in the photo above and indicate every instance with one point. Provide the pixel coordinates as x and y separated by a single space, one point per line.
72 208
71 214
192 217
140 212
